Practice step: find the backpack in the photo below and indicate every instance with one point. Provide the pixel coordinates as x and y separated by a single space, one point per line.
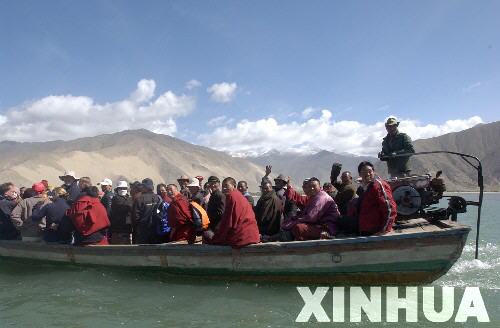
200 216
160 218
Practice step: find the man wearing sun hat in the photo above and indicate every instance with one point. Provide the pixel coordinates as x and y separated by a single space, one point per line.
393 144
107 197
70 185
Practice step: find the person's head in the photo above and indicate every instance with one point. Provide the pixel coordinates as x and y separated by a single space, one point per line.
280 181
391 125
135 188
38 188
84 182
228 185
106 185
242 186
266 187
91 191
21 190
68 177
161 189
213 183
183 181
9 191
194 186
206 187
121 188
328 187
346 177
172 190
60 192
148 185
28 193
366 172
314 186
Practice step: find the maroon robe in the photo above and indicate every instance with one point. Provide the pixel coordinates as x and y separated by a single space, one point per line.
238 227
180 220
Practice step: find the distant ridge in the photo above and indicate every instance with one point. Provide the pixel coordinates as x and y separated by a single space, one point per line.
131 155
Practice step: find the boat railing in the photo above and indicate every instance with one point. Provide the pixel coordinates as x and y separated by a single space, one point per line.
469 159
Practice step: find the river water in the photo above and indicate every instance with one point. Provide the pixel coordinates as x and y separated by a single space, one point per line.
52 295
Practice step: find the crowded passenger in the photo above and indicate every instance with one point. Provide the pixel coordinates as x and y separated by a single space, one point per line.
216 204
243 188
346 191
268 212
318 218
108 194
9 197
375 211
179 217
89 217
70 185
142 215
121 215
183 181
237 227
197 195
54 214
21 215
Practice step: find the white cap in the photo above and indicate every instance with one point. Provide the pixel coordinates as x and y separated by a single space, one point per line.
122 184
194 183
68 174
106 182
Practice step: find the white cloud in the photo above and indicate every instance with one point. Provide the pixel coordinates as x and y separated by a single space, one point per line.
306 113
192 84
257 137
220 120
68 117
222 92
472 86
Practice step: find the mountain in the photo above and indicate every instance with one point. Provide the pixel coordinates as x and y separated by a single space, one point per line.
131 155
481 141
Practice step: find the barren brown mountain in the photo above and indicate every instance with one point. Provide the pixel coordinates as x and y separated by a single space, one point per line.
131 155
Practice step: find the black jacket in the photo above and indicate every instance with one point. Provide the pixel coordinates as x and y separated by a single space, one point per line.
121 209
73 192
106 201
53 213
143 208
7 229
215 208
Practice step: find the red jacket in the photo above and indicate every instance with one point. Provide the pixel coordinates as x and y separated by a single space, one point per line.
377 209
238 227
181 220
88 215
300 200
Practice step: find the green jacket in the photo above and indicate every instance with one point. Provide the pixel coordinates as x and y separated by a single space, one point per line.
400 143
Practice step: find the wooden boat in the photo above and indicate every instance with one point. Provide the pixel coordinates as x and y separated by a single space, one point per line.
417 252
423 247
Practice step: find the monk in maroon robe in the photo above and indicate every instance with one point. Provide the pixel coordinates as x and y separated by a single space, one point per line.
238 227
179 216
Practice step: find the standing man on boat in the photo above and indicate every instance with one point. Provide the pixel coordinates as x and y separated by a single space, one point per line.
183 181
393 144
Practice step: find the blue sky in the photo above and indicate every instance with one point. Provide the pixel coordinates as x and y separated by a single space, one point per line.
427 62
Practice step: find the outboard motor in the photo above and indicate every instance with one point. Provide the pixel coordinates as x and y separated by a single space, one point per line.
413 194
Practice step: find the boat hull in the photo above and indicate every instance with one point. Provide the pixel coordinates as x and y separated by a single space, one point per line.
406 258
